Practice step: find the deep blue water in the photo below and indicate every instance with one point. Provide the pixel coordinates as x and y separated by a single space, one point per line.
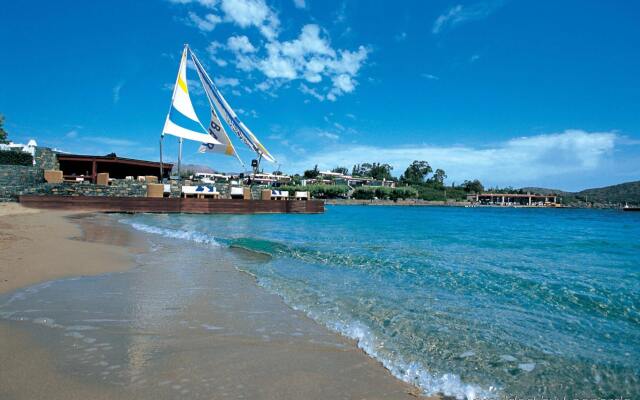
465 301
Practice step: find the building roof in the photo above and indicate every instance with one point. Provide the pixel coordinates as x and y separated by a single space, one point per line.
112 158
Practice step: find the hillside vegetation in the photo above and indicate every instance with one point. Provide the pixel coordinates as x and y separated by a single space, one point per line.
609 195
625 192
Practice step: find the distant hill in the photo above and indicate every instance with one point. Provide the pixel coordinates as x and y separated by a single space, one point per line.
617 194
193 167
625 192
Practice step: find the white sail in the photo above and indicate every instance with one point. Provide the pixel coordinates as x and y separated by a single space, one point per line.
176 130
230 117
217 131
182 102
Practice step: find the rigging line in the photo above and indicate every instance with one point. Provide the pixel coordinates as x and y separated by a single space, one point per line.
231 118
213 109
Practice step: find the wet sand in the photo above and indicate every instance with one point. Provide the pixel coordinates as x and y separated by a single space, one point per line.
198 330
38 246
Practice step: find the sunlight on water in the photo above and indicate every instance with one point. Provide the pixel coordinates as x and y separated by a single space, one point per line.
466 302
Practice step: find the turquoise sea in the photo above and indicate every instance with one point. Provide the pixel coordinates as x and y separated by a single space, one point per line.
470 302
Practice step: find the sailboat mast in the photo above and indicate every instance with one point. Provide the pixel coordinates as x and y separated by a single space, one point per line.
179 158
161 166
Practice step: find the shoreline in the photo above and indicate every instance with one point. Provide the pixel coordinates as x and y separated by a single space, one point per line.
304 368
38 246
439 203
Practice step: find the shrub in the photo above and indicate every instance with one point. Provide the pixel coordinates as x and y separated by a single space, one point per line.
402 193
363 193
320 191
383 192
10 157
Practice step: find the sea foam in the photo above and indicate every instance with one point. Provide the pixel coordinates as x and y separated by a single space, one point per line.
197 237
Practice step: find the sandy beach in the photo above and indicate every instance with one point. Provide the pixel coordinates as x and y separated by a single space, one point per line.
300 359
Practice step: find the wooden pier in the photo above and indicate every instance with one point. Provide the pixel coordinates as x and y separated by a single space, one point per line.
173 205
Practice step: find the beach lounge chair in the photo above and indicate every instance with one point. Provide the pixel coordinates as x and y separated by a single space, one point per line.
237 192
279 194
200 192
302 195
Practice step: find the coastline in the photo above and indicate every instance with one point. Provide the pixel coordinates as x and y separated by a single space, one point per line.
438 203
291 368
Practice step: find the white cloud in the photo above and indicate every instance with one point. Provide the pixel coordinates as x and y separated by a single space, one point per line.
72 134
205 3
240 44
243 13
116 92
459 14
311 92
256 13
300 3
328 135
206 24
430 77
224 81
401 37
309 57
519 161
212 50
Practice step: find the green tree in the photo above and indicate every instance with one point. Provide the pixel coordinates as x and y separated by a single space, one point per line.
381 171
416 173
473 186
3 133
439 176
361 169
312 173
340 170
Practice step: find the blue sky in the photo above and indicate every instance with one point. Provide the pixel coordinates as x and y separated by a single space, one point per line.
511 92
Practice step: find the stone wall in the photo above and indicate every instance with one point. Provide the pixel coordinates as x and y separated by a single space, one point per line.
15 179
118 188
46 158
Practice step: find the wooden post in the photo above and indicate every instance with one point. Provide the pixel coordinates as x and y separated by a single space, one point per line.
94 171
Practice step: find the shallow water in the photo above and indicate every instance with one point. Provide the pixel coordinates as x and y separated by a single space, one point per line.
185 324
466 302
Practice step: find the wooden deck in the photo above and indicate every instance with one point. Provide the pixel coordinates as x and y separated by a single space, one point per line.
173 205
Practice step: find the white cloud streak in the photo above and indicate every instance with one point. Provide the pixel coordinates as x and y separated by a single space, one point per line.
519 161
459 14
116 92
206 24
